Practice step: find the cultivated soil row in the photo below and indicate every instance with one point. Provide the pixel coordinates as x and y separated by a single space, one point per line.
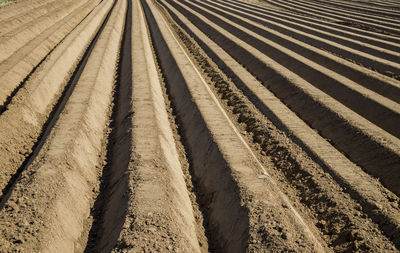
200 126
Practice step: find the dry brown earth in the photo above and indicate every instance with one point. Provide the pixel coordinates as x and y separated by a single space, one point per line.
200 126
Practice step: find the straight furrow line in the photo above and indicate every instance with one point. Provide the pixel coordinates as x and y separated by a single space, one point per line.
345 89
384 41
226 146
299 30
17 21
16 70
372 5
143 159
327 7
16 8
386 24
353 21
345 129
332 161
360 8
200 126
76 143
34 110
16 39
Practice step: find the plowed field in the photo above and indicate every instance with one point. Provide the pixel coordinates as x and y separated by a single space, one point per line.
200 126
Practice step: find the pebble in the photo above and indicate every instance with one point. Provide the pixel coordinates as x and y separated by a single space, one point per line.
321 224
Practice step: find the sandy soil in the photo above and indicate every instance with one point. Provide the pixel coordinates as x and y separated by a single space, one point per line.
200 126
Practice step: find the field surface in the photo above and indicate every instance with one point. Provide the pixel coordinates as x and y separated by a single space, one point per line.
200 126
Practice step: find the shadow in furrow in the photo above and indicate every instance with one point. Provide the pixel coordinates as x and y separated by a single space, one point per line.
109 209
4 106
382 221
358 146
226 220
58 108
373 111
10 98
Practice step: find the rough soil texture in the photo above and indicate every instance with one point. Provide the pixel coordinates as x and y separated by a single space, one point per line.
200 126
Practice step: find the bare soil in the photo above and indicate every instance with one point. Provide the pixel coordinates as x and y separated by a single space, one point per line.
200 126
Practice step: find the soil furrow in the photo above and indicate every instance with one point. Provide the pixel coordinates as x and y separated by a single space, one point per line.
380 40
61 192
114 175
14 40
352 134
358 4
326 7
143 160
303 32
359 8
43 96
345 173
376 27
15 70
229 159
392 6
338 45
340 77
346 91
16 8
390 24
199 126
346 31
335 85
27 16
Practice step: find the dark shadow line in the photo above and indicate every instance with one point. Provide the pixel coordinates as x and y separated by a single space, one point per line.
119 149
53 117
4 106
